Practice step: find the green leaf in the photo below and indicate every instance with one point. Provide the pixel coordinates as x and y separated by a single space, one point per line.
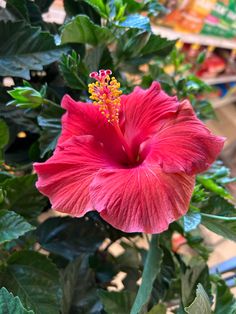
73 71
79 288
197 273
18 9
29 49
130 44
117 302
136 21
103 264
34 278
35 15
22 196
74 7
82 30
165 277
201 57
138 47
69 237
158 309
50 122
219 206
4 134
130 257
226 229
158 46
10 304
191 221
212 186
218 171
201 303
4 175
98 57
12 226
225 300
6 15
111 232
25 10
99 6
150 272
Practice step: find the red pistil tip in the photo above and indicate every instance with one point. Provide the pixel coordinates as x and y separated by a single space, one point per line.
93 74
105 93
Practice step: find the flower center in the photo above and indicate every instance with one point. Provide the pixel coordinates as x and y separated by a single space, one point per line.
105 94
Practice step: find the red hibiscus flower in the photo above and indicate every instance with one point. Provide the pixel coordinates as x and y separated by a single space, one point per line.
133 158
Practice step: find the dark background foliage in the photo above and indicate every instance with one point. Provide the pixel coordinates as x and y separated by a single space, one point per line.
67 265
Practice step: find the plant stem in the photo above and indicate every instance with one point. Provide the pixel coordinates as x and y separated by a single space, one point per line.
51 103
219 217
151 269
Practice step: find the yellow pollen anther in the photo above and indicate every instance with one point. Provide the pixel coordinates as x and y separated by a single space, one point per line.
105 93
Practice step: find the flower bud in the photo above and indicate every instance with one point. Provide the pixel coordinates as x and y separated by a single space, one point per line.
25 97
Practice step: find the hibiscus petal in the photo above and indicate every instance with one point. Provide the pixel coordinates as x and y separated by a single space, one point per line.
80 119
184 143
142 110
141 199
66 176
85 119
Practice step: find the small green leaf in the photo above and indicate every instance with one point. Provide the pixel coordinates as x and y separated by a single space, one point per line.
158 309
136 21
210 185
201 57
4 134
25 97
117 302
120 11
12 226
10 304
73 72
99 6
34 278
150 272
82 30
191 221
201 303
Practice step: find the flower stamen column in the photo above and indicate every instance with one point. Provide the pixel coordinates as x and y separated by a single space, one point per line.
105 94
